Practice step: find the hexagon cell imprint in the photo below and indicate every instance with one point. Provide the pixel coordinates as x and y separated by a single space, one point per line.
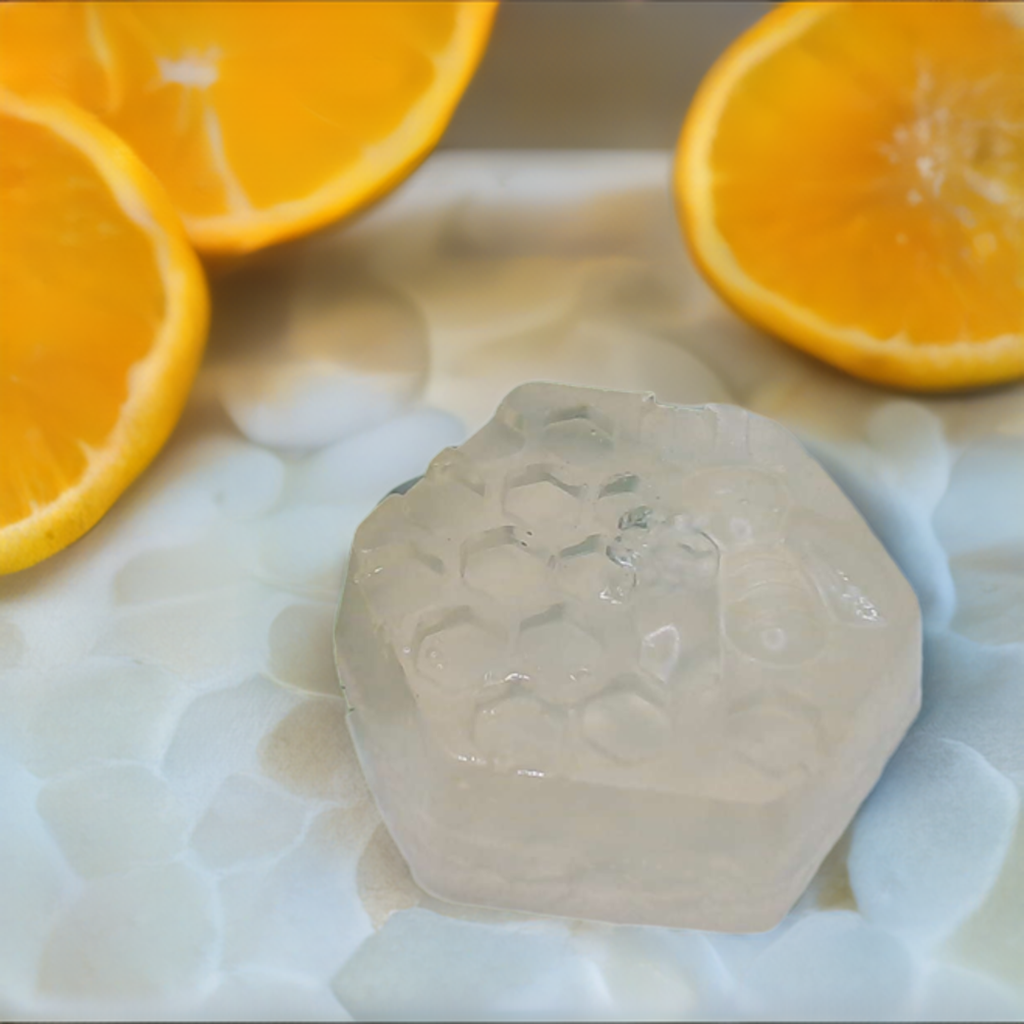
625 661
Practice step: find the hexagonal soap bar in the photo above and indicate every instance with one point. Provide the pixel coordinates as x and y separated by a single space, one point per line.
626 661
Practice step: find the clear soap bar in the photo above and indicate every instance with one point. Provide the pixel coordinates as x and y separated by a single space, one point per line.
625 661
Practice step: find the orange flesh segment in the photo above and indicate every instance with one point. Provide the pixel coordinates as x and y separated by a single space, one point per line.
78 327
907 180
261 120
866 176
102 323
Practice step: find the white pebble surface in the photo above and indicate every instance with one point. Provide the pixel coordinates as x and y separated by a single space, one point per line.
931 839
185 832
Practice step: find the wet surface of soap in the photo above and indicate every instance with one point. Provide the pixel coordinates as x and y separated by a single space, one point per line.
620 660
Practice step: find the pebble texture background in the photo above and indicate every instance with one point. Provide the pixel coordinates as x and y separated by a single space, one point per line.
185 831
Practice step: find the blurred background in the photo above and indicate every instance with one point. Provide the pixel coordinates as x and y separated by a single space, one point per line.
616 75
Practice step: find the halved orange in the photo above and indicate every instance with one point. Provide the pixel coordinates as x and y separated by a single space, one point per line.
102 322
850 177
262 120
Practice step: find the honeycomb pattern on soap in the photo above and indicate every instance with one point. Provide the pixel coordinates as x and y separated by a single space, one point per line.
593 575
